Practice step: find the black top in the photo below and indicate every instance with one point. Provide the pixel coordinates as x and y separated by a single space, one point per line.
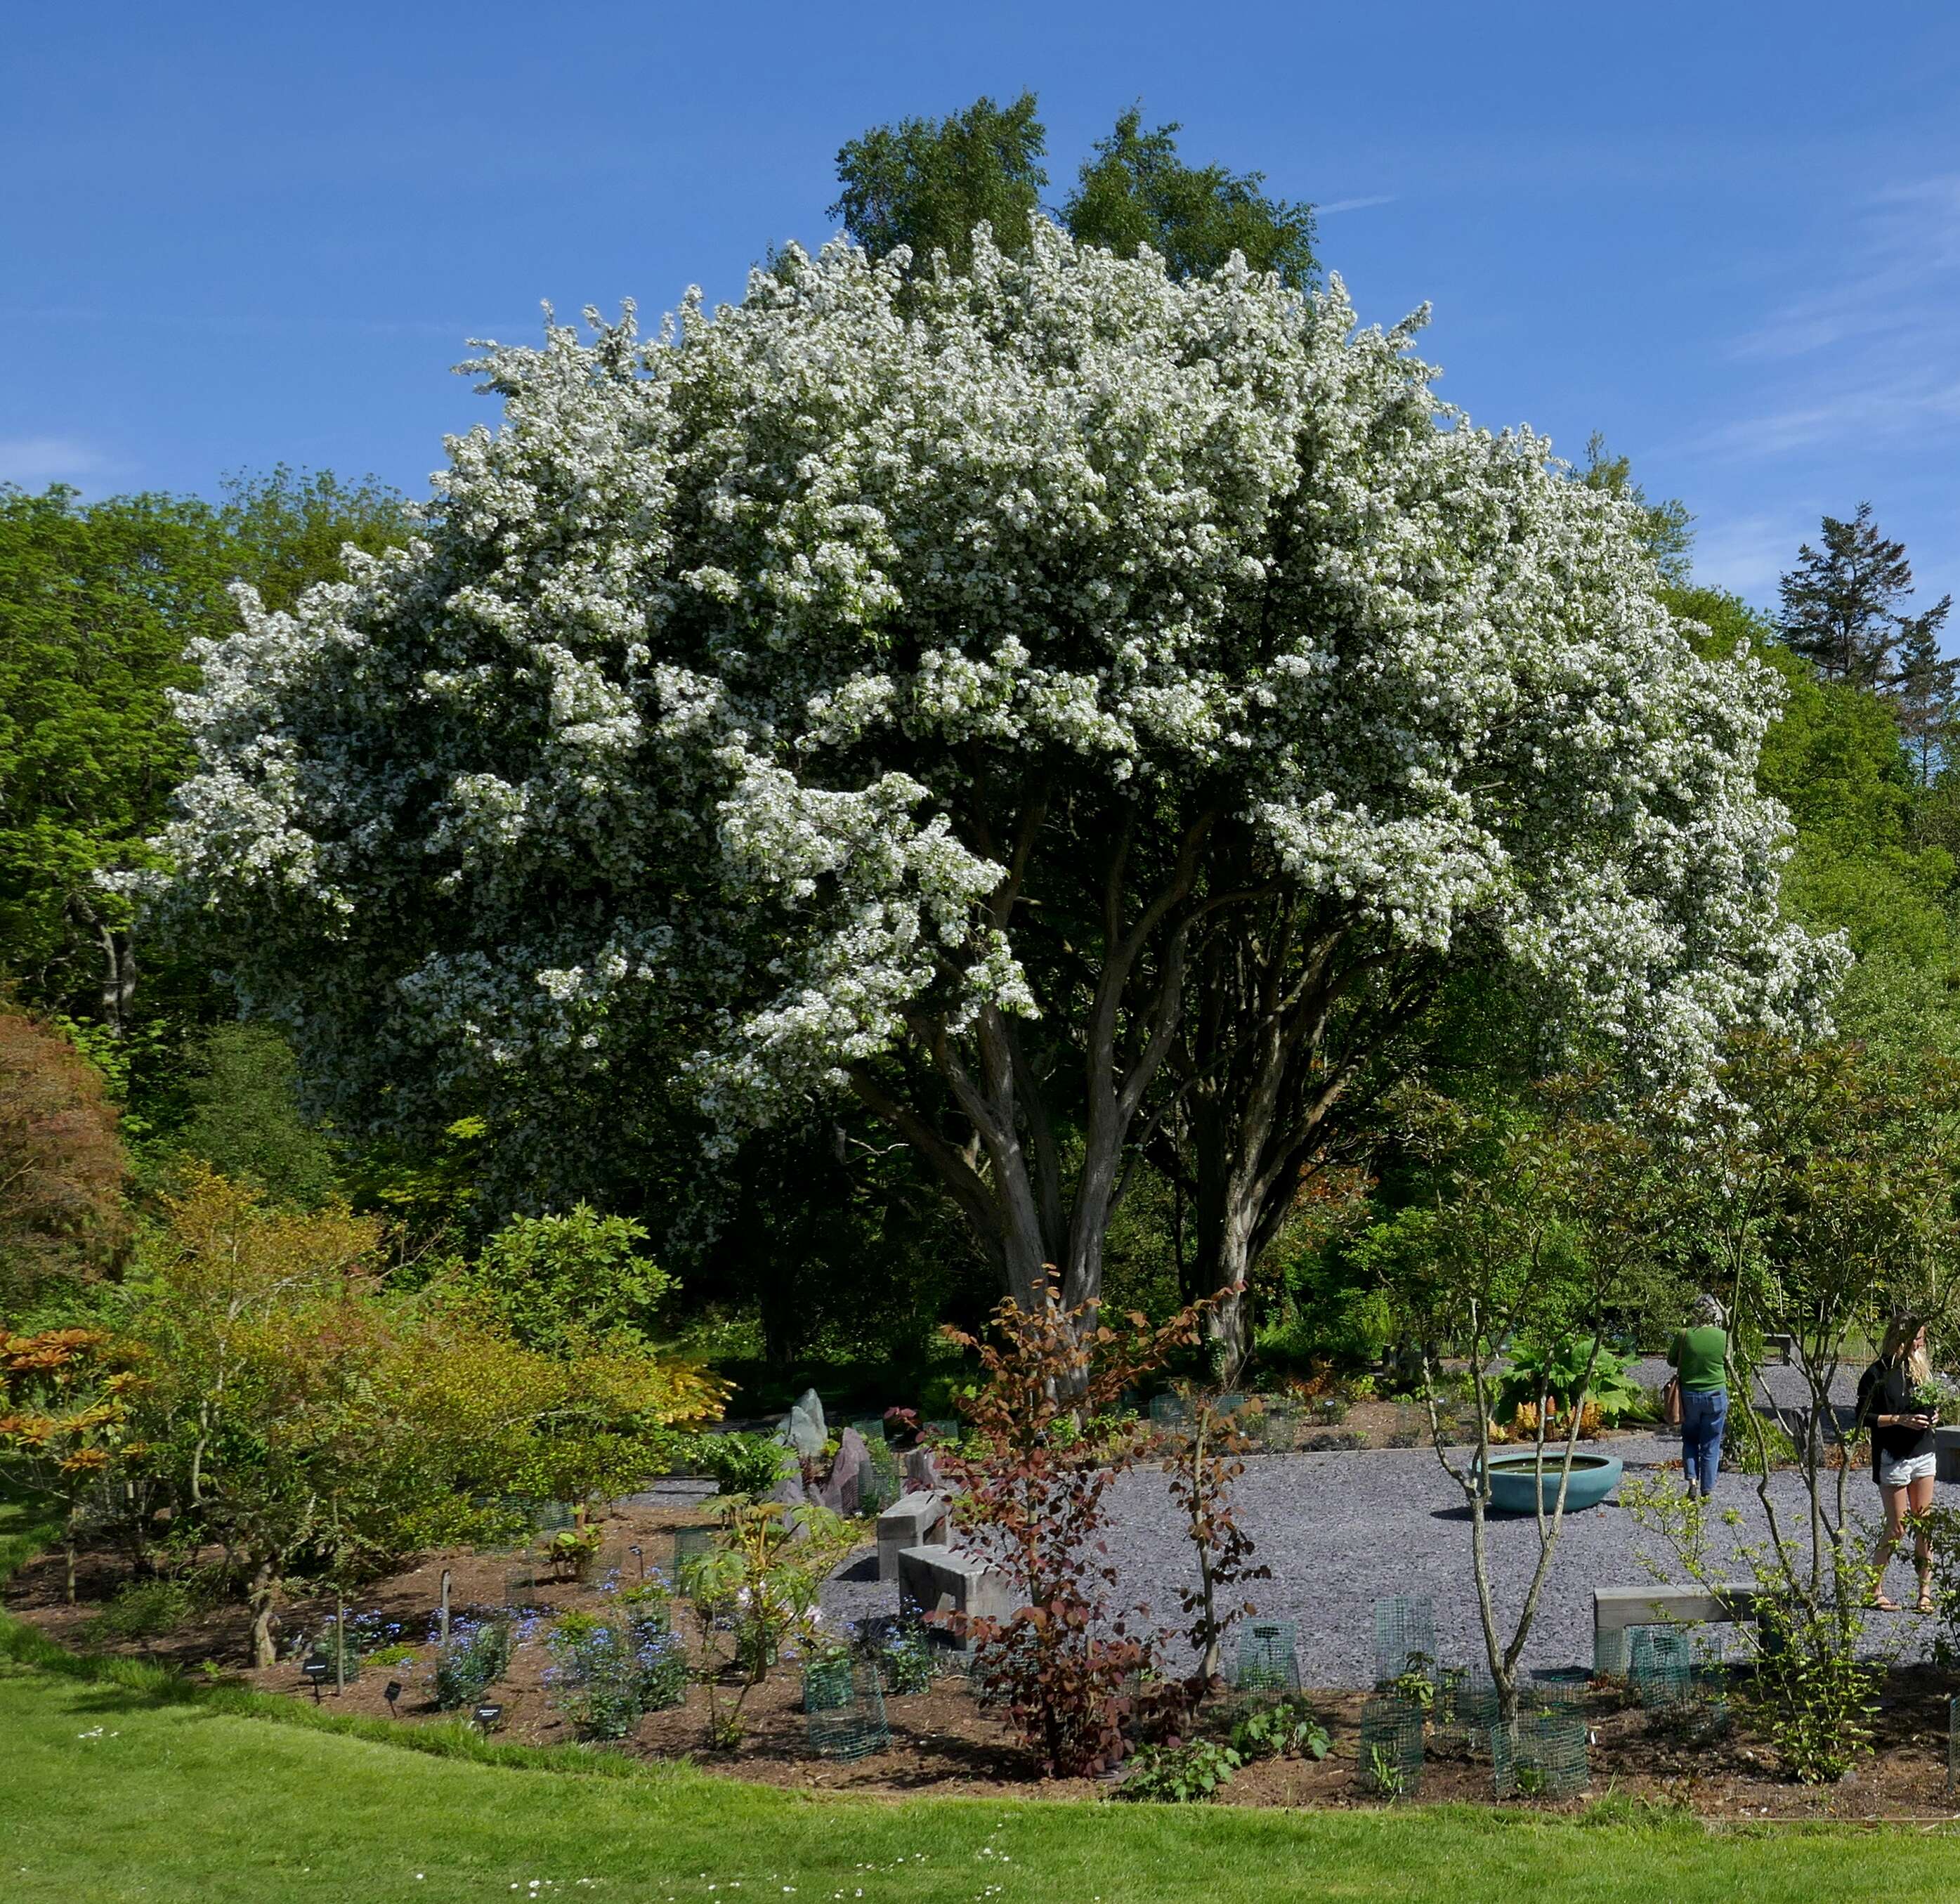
1885 1388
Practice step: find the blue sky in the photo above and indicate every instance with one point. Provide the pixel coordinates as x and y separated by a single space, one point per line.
1727 234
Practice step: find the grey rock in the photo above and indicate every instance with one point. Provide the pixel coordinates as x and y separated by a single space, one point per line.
788 1491
922 1471
807 1401
804 1433
847 1472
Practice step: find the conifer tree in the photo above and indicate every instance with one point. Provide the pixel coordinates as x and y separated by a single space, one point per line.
1842 607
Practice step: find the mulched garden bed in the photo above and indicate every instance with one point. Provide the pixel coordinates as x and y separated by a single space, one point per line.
944 1742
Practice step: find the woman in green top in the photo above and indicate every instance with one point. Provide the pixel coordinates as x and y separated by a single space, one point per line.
1700 1355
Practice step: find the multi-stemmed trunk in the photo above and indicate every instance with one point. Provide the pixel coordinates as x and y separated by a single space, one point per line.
1197 1007
1000 1154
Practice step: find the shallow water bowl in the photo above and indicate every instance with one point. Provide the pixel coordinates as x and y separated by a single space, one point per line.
1516 1489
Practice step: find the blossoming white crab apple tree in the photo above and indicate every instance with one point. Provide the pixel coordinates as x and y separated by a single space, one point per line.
1058 704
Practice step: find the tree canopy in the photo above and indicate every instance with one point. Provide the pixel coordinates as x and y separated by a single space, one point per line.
1089 691
1136 191
1843 607
99 602
927 182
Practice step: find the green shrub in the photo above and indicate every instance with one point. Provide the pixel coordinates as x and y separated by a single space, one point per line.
477 1656
605 1673
1179 1775
1559 1369
143 1609
1286 1728
904 1659
742 1463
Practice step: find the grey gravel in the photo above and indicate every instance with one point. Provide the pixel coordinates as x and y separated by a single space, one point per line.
1338 1530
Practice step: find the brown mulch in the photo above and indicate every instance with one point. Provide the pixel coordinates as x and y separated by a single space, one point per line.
944 1742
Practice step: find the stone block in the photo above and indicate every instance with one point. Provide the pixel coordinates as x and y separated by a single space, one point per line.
912 1521
1946 1452
936 1579
1617 1608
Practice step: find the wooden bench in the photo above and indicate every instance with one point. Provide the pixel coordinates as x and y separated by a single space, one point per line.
1617 1609
912 1521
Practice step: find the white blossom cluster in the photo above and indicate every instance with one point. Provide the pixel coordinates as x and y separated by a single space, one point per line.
665 745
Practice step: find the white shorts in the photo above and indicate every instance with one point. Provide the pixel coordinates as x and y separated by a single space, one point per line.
1901 1474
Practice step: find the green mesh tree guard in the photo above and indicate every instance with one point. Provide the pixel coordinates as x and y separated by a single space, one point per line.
844 1701
1953 1743
1230 1402
1391 1759
1405 1637
1268 1656
1170 1411
880 1483
522 1587
1465 1708
1411 1429
692 1543
1541 1755
1276 1429
1553 1687
1660 1662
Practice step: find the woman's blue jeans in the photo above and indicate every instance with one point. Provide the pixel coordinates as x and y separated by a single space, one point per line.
1704 1412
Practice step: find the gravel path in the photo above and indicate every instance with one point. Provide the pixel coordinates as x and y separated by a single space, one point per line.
1338 1530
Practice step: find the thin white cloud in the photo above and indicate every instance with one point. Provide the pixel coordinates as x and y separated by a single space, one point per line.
1747 554
34 461
1888 409
1875 354
1351 205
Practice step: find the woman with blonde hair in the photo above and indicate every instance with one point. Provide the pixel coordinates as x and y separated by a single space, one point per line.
1903 1463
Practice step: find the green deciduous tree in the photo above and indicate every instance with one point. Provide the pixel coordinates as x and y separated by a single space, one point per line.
1536 1221
97 602
1874 850
556 1283
1666 528
927 182
288 527
1136 191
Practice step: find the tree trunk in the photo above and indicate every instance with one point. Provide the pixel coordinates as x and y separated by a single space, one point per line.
118 988
264 1589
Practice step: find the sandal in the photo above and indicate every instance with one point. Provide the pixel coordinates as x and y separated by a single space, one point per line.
1925 1605
1885 1605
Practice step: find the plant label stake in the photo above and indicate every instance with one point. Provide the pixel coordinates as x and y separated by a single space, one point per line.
442 1618
391 1693
316 1672
488 1714
641 1558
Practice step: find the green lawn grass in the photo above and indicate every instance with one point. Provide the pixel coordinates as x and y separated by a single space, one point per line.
119 1785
